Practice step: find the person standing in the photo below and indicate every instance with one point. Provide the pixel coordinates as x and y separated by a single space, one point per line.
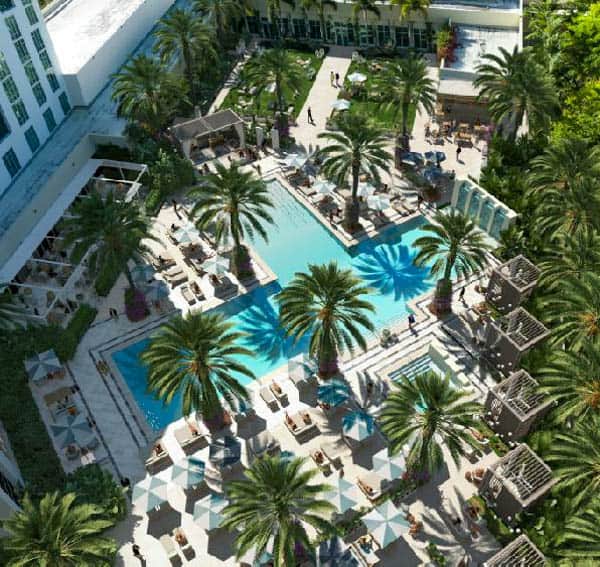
175 208
136 552
332 78
458 151
337 79
310 116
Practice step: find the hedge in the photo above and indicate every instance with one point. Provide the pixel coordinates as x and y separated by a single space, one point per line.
72 335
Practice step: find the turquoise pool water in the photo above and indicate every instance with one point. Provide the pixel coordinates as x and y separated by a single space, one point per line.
296 240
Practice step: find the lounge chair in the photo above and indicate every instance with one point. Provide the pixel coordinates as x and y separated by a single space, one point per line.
159 460
334 451
190 440
197 291
371 484
279 393
299 423
177 279
168 546
225 287
187 294
269 398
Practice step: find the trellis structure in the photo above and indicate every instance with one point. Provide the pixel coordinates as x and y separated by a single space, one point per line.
511 283
514 405
509 337
518 553
516 482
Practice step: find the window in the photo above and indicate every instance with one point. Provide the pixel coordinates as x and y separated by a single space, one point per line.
314 29
32 139
402 37
421 39
6 5
13 27
4 127
53 81
383 34
31 73
64 103
30 12
22 51
11 90
299 28
20 112
49 119
39 94
37 40
4 70
46 63
11 162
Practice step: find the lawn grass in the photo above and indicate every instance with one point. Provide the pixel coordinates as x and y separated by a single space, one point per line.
263 104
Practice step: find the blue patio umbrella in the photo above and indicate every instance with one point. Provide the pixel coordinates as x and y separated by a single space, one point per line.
358 425
335 553
187 472
208 511
433 175
413 158
334 392
42 364
71 429
435 156
142 274
225 452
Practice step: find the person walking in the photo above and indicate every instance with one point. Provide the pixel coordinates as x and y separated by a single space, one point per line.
461 295
310 116
337 79
175 208
136 552
332 78
458 151
411 320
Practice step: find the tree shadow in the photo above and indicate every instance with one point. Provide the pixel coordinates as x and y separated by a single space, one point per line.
390 270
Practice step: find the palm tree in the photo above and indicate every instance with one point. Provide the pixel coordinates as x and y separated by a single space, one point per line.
319 6
238 204
274 502
274 66
407 85
356 148
427 412
113 228
364 8
581 538
184 37
572 379
275 9
148 93
408 7
56 532
327 304
575 458
221 14
12 316
196 356
574 312
454 244
515 85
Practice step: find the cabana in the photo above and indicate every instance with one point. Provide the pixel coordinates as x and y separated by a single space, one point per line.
508 338
205 131
512 283
518 553
516 482
514 405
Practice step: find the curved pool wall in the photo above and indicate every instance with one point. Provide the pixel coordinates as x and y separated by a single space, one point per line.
297 239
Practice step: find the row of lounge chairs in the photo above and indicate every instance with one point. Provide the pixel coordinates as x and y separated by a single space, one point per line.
273 395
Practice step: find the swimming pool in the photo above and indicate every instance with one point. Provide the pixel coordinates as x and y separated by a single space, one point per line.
295 240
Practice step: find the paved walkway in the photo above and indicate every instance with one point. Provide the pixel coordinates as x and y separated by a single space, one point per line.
321 95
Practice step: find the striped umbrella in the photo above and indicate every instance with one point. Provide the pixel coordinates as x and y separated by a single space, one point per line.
358 425
334 392
378 202
295 160
42 364
71 429
344 495
386 523
149 493
365 189
389 466
324 187
187 234
187 472
217 265
208 511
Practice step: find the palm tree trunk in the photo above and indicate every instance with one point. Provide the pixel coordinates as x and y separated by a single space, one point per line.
352 205
442 300
328 359
322 20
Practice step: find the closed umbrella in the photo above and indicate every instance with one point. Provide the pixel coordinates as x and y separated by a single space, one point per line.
386 523
378 202
389 466
142 274
358 425
295 160
324 187
72 429
344 495
365 189
340 104
208 511
42 364
149 493
187 472
217 265
334 392
435 156
156 290
225 452
187 234
357 77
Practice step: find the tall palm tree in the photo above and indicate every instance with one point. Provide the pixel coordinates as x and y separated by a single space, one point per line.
427 412
319 6
275 11
12 316
220 13
407 85
356 148
408 7
454 244
274 66
327 304
581 538
183 36
515 85
574 312
238 204
148 93
197 357
575 458
113 228
572 379
56 532
364 8
274 502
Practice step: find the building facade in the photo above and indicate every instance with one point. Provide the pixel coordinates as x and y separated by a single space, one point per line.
11 481
33 98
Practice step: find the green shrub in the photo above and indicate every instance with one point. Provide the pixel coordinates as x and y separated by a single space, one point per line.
112 151
494 524
94 485
153 202
436 556
72 335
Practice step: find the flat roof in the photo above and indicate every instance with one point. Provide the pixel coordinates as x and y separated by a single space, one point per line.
80 28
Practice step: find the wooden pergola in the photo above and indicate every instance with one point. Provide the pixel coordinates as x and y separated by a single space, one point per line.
518 553
511 283
514 405
516 482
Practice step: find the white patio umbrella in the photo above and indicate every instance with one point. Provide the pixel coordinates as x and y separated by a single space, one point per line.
208 511
42 364
386 523
295 160
187 472
389 466
217 265
365 189
149 493
344 495
324 187
340 104
357 77
187 234
378 202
